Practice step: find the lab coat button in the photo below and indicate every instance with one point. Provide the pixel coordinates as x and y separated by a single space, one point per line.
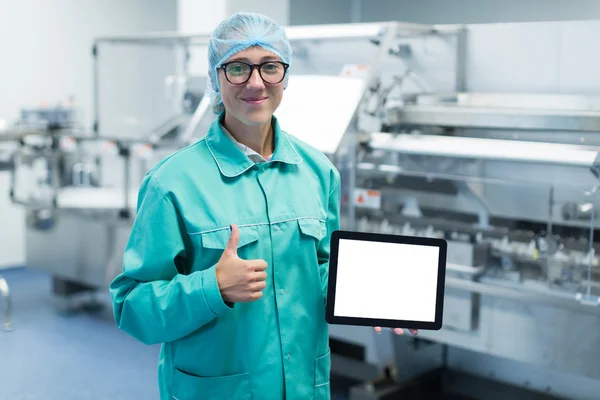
276 227
282 291
289 356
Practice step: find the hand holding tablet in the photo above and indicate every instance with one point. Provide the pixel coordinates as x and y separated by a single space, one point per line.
386 281
397 331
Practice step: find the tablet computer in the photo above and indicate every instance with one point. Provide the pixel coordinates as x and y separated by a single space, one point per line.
386 280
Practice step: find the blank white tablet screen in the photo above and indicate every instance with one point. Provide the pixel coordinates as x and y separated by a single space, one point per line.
386 281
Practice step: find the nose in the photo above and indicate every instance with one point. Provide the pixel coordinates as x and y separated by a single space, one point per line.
255 80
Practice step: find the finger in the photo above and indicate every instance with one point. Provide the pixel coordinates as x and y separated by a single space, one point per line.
377 329
257 286
399 331
234 239
414 331
258 276
258 265
255 296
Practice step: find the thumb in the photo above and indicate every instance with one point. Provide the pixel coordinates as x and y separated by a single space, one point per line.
234 239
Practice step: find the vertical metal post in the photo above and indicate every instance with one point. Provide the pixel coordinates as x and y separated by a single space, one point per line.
126 153
549 228
15 158
5 294
461 60
351 165
550 224
95 96
591 239
54 169
96 106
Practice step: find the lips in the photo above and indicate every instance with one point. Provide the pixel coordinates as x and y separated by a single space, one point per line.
254 100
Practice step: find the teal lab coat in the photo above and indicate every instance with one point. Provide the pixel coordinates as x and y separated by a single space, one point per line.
286 209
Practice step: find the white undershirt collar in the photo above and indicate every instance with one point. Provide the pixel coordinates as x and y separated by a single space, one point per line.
253 155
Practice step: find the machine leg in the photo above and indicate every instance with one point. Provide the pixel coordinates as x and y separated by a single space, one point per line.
423 387
5 293
71 297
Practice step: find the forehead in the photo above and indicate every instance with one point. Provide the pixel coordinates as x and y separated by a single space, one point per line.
255 54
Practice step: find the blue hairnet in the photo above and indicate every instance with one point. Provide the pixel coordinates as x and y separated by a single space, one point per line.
237 33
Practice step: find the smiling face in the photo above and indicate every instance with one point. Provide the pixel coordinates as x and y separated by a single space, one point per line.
254 102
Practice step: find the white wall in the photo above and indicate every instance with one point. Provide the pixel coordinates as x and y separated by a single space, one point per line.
199 17
278 10
443 11
46 56
308 12
202 16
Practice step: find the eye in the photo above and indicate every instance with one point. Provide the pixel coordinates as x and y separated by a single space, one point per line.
237 69
271 68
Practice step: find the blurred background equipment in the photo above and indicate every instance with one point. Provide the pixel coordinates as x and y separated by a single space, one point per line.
484 134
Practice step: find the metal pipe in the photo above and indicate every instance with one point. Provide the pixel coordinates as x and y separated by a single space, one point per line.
5 294
546 299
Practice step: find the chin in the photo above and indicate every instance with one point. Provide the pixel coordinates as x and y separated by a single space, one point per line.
256 118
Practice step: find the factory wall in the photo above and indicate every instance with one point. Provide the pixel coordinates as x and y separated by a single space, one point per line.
278 10
320 12
202 16
441 11
46 57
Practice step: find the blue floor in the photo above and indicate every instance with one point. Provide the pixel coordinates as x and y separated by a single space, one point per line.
84 356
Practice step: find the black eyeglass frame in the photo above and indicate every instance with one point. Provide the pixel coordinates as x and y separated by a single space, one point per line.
252 67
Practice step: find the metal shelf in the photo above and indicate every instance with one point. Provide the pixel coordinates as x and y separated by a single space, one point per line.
501 111
487 149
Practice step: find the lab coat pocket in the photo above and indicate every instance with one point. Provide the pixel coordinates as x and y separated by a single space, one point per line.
211 244
191 387
322 373
313 227
218 239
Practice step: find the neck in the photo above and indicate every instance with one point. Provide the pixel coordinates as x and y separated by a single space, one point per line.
259 138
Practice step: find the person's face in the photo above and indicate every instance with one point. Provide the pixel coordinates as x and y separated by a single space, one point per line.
254 102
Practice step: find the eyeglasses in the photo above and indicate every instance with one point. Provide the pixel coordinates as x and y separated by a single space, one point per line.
239 72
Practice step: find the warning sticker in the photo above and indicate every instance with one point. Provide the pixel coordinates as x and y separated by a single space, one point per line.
367 198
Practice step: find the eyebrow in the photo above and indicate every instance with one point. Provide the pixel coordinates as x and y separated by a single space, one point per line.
265 58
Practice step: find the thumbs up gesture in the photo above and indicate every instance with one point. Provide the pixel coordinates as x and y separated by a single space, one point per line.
239 280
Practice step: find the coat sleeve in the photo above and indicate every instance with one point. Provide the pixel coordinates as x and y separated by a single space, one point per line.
332 224
153 299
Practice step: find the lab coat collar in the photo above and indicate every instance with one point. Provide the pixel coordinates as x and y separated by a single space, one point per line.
233 162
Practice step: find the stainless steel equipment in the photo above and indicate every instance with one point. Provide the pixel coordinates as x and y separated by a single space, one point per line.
486 135
511 181
6 306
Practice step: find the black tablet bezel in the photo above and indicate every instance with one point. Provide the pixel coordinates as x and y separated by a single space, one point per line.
378 237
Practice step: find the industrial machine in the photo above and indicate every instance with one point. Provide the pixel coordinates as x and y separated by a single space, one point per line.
486 135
